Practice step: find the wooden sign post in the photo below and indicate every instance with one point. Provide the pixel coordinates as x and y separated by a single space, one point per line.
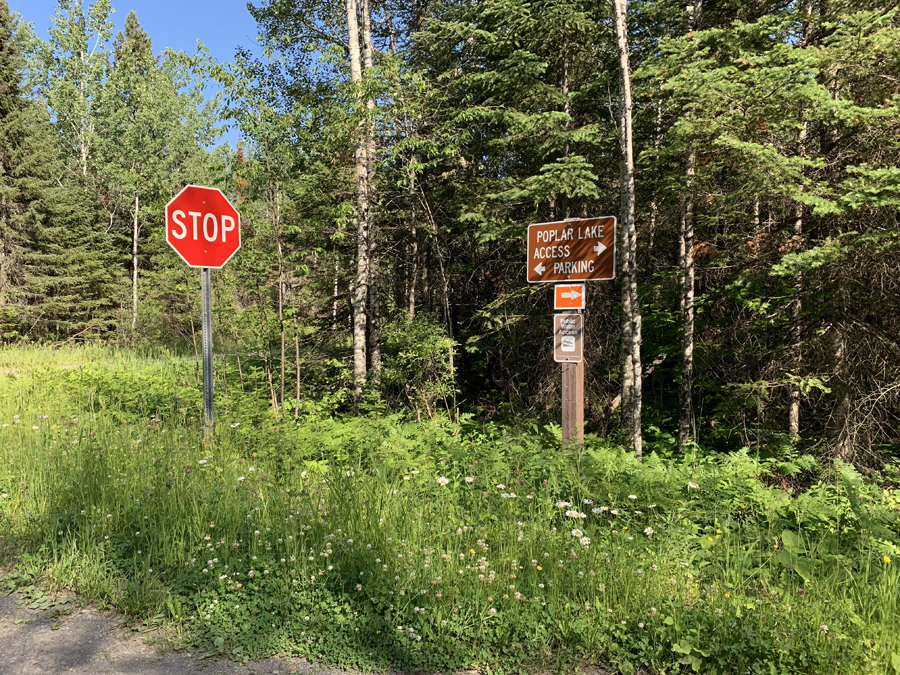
566 253
568 349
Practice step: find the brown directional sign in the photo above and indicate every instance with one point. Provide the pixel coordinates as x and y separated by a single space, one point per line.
568 334
572 250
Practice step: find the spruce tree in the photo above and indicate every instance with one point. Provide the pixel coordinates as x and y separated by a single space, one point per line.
53 277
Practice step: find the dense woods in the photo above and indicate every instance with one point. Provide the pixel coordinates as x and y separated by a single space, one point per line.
391 157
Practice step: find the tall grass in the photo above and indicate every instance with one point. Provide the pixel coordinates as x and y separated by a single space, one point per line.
378 543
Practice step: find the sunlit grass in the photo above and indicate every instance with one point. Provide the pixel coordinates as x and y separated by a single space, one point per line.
369 546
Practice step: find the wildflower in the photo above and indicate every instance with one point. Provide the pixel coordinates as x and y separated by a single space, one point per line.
470 479
500 486
582 515
887 560
640 625
823 628
405 477
235 425
241 478
585 541
35 428
443 480
595 510
577 533
571 514
693 485
540 569
653 506
414 472
303 474
632 497
589 502
648 531
493 611
563 505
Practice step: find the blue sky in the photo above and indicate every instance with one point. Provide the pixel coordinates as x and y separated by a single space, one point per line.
222 25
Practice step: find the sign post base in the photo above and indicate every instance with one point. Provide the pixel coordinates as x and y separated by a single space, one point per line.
572 404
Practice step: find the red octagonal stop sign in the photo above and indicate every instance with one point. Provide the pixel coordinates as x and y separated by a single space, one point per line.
203 227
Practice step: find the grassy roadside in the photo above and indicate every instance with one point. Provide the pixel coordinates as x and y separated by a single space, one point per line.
379 543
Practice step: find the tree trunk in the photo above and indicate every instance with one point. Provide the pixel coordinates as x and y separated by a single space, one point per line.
654 203
361 283
297 367
797 307
414 241
686 251
281 315
840 428
632 378
686 255
374 258
796 332
334 295
445 287
134 264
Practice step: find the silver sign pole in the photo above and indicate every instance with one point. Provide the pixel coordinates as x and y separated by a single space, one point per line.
206 310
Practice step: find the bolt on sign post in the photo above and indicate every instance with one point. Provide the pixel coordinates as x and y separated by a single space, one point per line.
566 253
205 230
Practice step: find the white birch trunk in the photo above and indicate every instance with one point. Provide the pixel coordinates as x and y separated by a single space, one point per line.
374 258
631 325
134 264
361 282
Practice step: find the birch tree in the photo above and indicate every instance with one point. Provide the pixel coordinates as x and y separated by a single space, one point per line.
686 261
632 375
70 72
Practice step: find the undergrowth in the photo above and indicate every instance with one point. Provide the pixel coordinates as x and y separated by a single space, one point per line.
378 543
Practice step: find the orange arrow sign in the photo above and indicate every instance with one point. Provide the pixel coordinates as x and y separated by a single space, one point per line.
568 296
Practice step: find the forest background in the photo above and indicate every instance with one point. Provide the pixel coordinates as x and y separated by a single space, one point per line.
385 486
391 157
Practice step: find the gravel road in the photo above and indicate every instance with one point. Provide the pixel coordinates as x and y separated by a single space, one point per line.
65 638
83 641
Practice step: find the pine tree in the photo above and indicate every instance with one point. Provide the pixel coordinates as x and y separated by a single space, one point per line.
53 274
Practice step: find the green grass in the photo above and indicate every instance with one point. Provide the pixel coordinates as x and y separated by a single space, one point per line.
335 539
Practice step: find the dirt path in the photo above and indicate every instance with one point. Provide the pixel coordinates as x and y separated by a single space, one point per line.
82 641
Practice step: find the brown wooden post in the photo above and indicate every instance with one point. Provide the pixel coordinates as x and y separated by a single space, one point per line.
573 402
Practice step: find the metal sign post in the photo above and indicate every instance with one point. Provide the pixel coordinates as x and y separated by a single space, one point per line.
206 311
205 230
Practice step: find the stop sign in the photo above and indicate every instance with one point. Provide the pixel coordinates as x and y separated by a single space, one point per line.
203 227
